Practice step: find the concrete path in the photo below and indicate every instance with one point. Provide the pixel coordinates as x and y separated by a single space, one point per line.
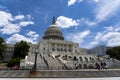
77 73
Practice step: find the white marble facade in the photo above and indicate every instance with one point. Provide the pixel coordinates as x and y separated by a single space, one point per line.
60 47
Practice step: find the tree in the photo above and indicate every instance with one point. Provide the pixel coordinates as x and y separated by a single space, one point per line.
114 52
21 49
2 47
13 62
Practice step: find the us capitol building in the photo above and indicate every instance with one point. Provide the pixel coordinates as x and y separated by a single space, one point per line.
55 53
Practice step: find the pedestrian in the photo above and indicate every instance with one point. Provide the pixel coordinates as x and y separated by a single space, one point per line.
106 66
98 67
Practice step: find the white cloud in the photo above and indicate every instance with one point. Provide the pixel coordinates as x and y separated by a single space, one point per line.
98 36
72 2
86 21
94 43
5 18
9 23
117 29
29 17
31 37
106 8
96 40
90 23
19 17
78 37
103 9
110 36
26 23
114 41
65 22
17 38
96 0
10 29
109 28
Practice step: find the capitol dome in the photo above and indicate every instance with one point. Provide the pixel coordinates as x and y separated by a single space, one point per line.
53 32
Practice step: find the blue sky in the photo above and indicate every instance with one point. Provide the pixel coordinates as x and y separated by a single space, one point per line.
87 22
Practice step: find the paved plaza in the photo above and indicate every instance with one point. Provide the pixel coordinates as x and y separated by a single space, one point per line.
77 73
88 73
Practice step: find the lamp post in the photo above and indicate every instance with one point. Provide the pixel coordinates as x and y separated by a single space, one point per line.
35 64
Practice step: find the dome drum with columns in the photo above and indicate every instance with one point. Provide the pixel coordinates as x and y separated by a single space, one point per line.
53 32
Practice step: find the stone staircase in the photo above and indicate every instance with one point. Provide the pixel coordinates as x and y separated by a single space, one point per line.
53 64
41 65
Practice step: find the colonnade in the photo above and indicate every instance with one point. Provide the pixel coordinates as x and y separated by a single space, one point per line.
61 47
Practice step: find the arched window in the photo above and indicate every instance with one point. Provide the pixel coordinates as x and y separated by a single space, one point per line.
86 59
74 58
80 66
90 58
90 66
84 66
81 59
61 49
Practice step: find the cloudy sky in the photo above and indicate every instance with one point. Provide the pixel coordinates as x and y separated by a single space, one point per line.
87 22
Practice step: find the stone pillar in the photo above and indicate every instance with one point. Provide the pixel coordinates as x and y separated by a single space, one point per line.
55 47
66 47
50 47
73 48
61 47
